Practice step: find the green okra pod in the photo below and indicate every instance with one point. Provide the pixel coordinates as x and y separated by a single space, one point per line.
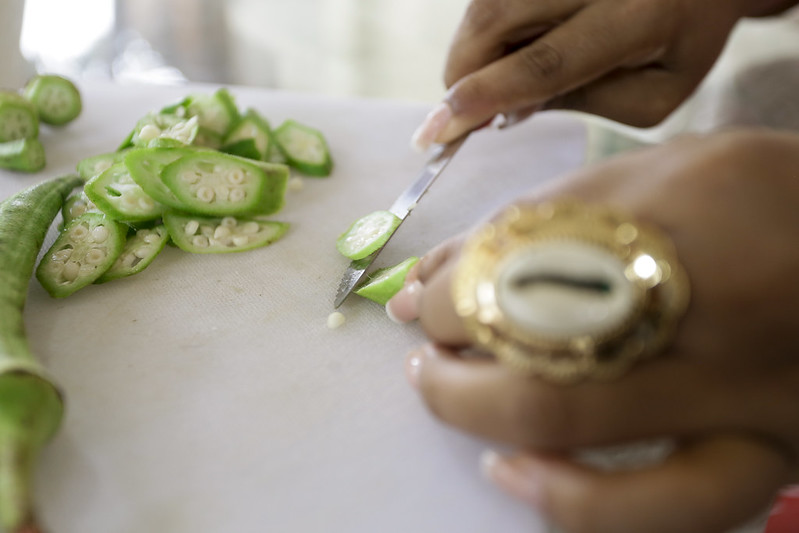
31 405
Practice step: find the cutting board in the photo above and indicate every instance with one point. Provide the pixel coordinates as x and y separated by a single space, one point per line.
206 394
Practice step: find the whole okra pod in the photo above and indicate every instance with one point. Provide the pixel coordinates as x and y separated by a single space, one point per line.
31 405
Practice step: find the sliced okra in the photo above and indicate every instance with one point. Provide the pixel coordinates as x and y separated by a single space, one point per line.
209 235
141 247
216 112
304 148
217 184
153 128
76 205
91 166
55 98
367 234
81 253
18 118
207 138
116 194
25 155
146 165
251 137
384 283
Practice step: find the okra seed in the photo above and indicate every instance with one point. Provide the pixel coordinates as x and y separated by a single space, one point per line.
235 176
229 222
79 232
149 132
222 192
237 195
249 228
71 271
205 194
189 177
141 252
95 256
62 255
191 227
86 269
221 232
206 230
200 241
241 240
146 202
149 237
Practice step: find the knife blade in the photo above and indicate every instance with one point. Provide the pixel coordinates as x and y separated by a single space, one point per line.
401 207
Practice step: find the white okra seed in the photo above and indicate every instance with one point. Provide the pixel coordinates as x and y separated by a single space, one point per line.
79 232
145 202
249 228
235 176
149 132
205 194
222 192
207 231
62 255
229 222
191 227
95 256
142 252
200 241
222 232
127 260
237 194
71 271
241 240
189 177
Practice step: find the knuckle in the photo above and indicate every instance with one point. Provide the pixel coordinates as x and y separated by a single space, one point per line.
541 60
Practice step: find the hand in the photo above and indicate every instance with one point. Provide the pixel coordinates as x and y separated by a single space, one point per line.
727 390
633 61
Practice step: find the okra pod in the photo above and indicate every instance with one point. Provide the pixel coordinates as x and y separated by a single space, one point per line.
31 405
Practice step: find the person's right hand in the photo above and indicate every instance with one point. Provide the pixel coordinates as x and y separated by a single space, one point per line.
633 61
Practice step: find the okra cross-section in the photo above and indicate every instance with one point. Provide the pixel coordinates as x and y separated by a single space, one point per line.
216 184
121 198
18 119
83 251
206 235
367 234
140 249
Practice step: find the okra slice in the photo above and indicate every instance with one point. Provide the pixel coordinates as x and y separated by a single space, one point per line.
26 155
18 118
89 167
55 98
367 234
154 127
141 247
216 112
207 138
76 205
384 283
121 198
209 235
217 184
85 249
250 137
145 166
304 148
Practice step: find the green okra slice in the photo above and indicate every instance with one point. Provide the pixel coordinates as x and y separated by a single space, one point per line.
116 194
367 234
216 184
213 235
32 402
304 148
18 118
217 112
90 167
25 155
75 205
251 137
81 253
381 285
141 248
153 128
146 165
55 98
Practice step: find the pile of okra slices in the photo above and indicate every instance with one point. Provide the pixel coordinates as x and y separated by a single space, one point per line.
200 173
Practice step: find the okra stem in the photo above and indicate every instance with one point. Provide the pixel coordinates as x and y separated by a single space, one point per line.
31 405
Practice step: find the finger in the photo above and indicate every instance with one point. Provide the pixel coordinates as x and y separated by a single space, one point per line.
487 31
404 306
709 486
490 400
589 45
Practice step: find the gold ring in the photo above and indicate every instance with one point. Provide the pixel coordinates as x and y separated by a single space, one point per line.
566 290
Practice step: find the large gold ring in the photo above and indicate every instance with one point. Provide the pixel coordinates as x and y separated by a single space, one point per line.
567 290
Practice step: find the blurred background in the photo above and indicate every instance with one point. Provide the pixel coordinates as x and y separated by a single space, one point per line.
372 48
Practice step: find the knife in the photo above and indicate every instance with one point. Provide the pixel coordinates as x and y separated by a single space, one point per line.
401 207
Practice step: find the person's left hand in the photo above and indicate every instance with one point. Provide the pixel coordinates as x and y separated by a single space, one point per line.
727 389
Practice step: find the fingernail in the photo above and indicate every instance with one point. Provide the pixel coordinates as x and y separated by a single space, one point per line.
404 306
514 477
433 124
413 367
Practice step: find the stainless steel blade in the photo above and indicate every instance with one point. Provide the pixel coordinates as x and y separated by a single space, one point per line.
401 207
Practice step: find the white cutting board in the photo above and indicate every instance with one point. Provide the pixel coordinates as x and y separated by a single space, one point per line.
207 394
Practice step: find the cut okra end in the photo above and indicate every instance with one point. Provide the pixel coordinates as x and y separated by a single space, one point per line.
18 117
367 234
116 194
23 155
56 99
81 253
384 283
141 248
304 148
207 235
